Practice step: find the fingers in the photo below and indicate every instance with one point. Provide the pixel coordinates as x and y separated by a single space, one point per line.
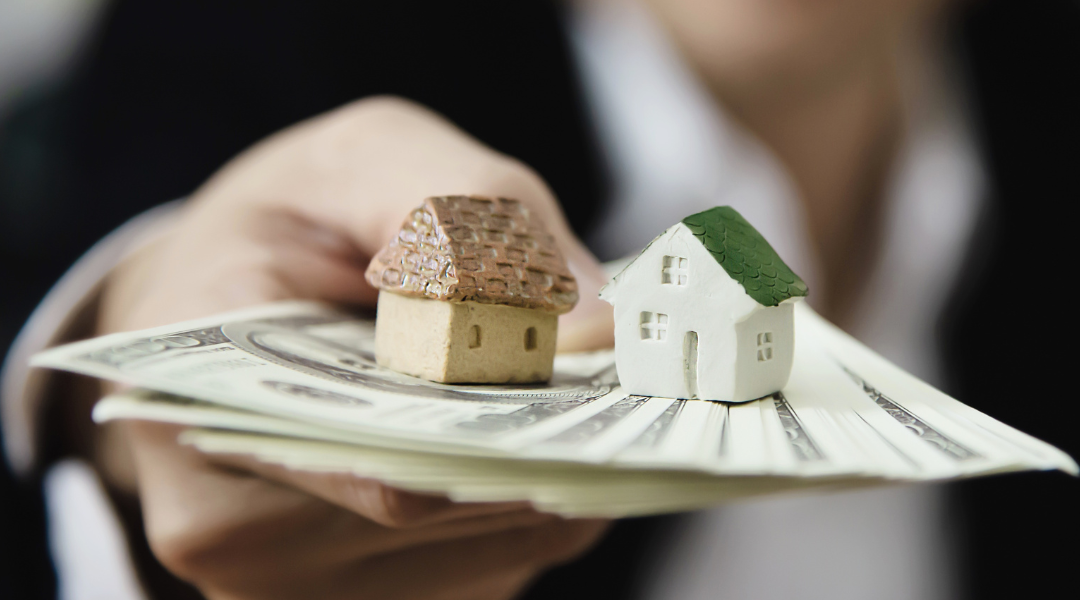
590 325
238 535
361 168
300 214
226 530
452 162
201 516
362 538
318 536
371 499
591 328
314 260
469 568
491 566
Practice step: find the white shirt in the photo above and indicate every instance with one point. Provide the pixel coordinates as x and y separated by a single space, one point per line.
673 152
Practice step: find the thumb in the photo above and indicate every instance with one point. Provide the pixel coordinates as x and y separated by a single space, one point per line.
590 325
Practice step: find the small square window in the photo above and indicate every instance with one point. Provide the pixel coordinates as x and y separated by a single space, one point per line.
765 346
675 270
654 326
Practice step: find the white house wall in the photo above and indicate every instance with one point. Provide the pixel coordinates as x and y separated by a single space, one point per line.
755 378
710 303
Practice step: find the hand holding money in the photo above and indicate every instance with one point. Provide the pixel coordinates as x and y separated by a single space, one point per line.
299 216
240 528
290 482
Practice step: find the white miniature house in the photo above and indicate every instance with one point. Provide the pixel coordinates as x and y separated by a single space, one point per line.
705 312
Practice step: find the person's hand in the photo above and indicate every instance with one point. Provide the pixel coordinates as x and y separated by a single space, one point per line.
237 528
298 216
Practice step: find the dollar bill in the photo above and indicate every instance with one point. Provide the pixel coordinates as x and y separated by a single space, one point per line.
310 363
296 384
947 436
571 490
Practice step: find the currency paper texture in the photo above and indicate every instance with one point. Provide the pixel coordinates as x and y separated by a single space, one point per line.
297 384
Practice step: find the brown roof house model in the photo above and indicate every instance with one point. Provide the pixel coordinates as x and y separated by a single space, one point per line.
470 290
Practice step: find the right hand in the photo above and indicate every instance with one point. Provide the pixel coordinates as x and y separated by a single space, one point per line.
238 528
298 216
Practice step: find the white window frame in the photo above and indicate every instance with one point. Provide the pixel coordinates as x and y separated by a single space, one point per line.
674 270
765 346
654 326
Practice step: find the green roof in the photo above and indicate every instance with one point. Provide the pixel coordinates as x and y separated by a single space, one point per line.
745 255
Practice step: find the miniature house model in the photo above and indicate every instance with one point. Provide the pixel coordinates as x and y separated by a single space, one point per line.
470 289
706 311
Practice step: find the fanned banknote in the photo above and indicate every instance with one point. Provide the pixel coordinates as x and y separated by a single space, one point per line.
297 384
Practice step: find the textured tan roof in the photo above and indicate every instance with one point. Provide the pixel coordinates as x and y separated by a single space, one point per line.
479 249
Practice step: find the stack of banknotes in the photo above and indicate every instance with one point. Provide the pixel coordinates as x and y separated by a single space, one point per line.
296 384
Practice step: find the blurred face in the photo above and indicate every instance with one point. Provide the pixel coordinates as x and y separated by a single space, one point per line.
755 42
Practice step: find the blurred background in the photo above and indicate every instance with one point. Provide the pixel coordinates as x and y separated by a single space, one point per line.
40 43
110 107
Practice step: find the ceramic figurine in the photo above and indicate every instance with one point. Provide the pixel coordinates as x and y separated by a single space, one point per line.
706 311
469 292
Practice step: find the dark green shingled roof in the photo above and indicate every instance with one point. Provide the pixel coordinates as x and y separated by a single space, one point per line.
745 255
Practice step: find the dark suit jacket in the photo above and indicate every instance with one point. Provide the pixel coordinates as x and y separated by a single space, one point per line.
172 89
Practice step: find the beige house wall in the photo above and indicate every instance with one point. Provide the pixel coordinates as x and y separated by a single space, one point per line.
464 342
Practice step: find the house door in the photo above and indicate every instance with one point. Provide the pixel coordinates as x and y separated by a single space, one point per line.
690 369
